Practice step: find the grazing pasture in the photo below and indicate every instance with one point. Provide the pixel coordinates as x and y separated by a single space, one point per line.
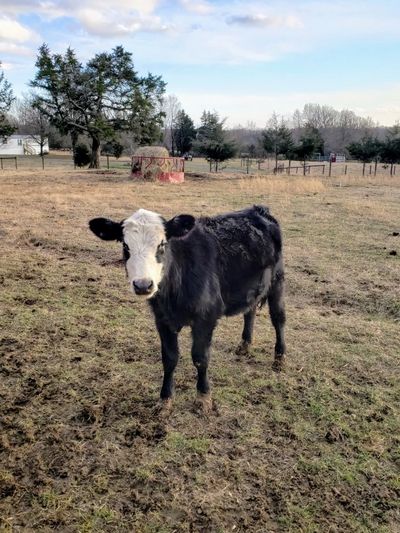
313 448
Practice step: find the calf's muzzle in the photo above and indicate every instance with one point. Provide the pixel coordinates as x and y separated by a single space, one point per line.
143 286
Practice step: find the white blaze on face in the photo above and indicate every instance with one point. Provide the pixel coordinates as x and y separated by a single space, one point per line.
143 234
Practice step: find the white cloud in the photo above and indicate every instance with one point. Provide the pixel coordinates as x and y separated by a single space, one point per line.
111 24
12 31
264 21
197 7
59 8
15 49
7 66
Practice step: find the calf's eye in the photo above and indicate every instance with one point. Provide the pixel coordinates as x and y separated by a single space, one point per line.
125 251
160 251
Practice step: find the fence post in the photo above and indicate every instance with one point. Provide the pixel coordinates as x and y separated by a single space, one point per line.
323 169
16 163
376 164
42 162
345 170
370 169
363 169
394 170
1 159
330 168
108 162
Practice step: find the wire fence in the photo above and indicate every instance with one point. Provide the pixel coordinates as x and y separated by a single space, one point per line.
201 166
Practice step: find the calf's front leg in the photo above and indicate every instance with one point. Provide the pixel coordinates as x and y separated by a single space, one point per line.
202 332
170 356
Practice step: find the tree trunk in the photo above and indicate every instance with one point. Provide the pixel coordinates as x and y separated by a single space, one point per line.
95 157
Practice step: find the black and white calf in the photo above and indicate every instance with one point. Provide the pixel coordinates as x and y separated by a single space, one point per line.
193 271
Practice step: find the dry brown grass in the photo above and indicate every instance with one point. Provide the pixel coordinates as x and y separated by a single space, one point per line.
313 448
281 184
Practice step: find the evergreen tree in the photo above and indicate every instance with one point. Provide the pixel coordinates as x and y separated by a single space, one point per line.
390 151
98 99
367 150
184 133
211 128
6 99
277 140
310 143
211 140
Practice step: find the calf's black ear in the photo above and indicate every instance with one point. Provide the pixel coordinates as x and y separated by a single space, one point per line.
179 226
106 229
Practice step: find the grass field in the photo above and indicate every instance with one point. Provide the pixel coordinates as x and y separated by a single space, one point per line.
313 448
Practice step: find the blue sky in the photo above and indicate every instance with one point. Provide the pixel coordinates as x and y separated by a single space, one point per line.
244 59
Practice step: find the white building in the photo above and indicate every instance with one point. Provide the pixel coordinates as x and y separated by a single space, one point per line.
22 145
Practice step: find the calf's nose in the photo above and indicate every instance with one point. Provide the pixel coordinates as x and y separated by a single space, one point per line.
143 286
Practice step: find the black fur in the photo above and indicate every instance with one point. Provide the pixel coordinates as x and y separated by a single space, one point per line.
217 266
106 229
179 226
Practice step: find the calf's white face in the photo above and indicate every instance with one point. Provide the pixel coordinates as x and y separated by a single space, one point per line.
143 236
144 241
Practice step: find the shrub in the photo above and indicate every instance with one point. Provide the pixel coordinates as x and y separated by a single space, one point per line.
81 155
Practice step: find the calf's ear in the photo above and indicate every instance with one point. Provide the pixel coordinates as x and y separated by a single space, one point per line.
106 229
179 226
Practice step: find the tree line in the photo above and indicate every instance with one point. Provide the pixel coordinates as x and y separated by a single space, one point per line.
106 104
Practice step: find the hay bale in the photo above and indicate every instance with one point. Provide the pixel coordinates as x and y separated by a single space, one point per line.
151 170
151 151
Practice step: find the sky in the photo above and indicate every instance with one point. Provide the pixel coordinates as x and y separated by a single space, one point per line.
244 59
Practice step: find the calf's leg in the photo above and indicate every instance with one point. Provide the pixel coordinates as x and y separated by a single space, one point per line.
170 356
202 332
278 317
247 334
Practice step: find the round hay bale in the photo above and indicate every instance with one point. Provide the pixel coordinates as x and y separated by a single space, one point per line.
151 151
152 168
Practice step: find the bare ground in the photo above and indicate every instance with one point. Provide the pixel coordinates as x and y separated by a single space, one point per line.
313 448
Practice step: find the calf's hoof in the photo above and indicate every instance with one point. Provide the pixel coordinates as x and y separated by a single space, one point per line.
204 403
279 363
242 349
163 408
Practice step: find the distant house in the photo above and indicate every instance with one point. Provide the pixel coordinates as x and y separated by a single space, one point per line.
22 145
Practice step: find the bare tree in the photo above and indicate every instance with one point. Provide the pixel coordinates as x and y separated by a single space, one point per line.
32 121
298 121
171 107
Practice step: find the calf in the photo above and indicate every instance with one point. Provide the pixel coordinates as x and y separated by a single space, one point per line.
194 271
